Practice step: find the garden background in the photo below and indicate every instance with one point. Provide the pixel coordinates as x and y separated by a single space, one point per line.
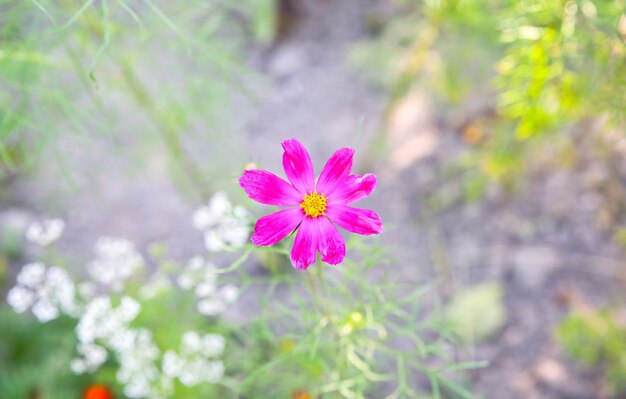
496 130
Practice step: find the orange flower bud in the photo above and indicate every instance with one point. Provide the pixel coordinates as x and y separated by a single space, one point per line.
97 391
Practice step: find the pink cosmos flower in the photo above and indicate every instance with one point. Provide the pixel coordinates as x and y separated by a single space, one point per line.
312 208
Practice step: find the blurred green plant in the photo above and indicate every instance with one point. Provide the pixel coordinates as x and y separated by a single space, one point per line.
71 71
346 337
11 243
34 358
263 18
476 313
540 70
597 339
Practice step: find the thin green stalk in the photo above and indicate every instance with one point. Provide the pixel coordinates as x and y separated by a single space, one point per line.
319 269
167 129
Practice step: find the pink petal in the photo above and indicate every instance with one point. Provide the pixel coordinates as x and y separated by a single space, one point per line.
267 188
298 166
305 245
272 228
352 188
330 242
360 221
338 166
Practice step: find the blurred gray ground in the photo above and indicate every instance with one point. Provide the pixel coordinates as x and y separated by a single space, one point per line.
539 245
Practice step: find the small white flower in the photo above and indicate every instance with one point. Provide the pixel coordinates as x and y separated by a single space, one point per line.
96 311
190 375
198 270
194 364
138 372
229 293
203 218
191 341
101 321
20 299
128 309
78 366
210 307
32 275
171 364
61 290
213 242
219 203
185 281
200 370
46 232
222 224
213 371
204 289
45 311
91 357
240 212
48 292
117 260
139 388
212 345
196 263
202 277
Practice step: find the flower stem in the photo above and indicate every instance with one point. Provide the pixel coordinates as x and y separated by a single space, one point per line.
320 292
320 277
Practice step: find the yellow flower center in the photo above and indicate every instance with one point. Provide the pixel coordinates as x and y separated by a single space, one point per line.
314 204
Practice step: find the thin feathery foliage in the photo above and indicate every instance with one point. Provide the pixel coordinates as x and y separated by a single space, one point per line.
69 70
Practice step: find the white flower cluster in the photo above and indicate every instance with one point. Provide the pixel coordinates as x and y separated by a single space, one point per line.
102 321
195 363
46 291
103 328
90 358
104 325
116 261
139 373
201 276
222 223
45 232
